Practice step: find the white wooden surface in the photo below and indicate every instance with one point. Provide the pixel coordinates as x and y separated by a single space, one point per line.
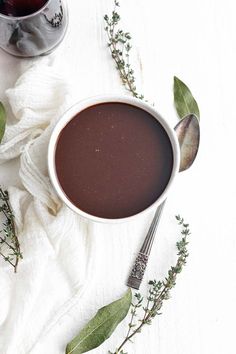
195 40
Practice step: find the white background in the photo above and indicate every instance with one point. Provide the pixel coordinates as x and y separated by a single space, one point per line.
196 41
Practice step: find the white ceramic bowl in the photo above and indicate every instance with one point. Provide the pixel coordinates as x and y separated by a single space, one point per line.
80 106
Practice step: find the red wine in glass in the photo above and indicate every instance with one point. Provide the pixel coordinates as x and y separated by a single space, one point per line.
32 27
19 8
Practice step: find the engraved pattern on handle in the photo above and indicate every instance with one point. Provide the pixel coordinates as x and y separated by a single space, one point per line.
138 270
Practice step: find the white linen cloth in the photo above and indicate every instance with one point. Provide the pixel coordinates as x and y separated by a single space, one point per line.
71 267
58 259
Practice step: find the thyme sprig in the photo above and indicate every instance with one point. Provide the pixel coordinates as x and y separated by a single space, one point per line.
120 47
158 291
9 243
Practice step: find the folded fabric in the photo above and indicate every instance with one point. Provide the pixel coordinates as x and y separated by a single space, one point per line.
71 267
58 258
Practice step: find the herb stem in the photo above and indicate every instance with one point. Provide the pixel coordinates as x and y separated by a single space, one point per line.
1 254
8 244
130 325
119 45
117 58
159 291
129 337
10 238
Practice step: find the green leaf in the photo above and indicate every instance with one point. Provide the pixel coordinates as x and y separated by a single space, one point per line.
2 121
184 100
101 326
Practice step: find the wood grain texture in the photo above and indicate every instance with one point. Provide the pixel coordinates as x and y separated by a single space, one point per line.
194 40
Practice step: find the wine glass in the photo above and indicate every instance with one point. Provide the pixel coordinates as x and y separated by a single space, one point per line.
32 28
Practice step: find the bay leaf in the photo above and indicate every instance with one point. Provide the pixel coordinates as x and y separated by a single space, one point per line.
184 101
2 121
101 326
188 133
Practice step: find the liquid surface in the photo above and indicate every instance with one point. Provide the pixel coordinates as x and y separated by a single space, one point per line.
20 7
113 160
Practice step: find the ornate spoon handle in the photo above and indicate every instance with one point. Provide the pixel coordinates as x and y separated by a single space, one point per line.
138 270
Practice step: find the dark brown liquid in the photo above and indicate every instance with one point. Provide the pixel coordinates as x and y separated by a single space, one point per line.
113 160
20 7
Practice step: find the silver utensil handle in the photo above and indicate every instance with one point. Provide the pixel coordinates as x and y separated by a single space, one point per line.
138 270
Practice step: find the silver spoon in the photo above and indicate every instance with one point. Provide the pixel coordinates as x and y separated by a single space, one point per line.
188 133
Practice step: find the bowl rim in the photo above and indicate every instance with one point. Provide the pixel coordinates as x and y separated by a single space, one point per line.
91 101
